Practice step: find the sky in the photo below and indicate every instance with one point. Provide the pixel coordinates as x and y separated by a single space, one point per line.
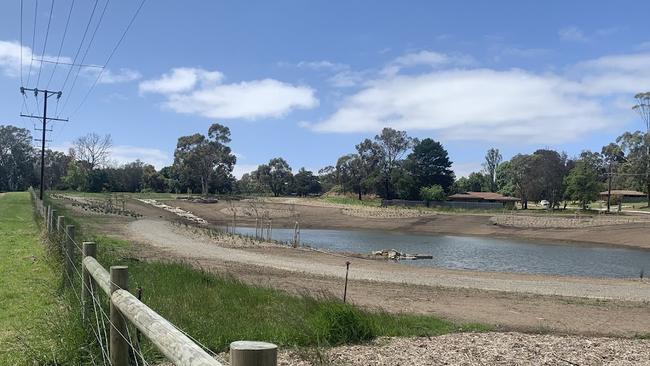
307 80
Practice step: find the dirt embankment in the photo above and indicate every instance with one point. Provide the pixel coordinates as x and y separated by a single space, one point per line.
314 216
508 300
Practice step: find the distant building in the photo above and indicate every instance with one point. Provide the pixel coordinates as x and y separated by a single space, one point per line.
508 202
624 195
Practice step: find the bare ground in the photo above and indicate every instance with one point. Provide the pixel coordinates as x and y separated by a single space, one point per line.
506 310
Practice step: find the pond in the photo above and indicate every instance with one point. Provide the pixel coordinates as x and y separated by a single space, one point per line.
479 253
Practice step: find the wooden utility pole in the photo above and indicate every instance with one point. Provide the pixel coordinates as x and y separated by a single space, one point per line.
44 118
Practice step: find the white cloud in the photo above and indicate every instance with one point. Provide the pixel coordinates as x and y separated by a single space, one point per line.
495 105
572 34
121 76
425 58
181 79
123 154
10 64
197 91
322 65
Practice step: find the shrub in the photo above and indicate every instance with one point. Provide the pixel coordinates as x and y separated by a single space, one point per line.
337 323
432 193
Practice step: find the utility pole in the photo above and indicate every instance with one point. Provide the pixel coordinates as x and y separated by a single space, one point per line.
46 95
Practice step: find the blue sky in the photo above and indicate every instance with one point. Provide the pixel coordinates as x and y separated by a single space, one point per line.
307 80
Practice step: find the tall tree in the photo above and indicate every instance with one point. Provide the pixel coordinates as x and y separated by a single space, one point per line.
637 159
276 175
429 165
198 157
93 149
16 158
492 160
613 156
394 145
305 183
582 182
350 172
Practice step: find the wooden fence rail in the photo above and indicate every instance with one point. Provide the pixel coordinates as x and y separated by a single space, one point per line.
170 340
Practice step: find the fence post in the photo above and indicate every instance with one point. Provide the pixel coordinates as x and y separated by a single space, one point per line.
247 353
69 251
48 217
88 249
59 225
119 347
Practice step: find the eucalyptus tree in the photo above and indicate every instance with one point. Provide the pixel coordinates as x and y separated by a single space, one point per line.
492 160
199 157
643 108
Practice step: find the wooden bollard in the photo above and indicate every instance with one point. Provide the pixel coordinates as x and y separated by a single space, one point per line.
247 353
88 249
119 347
69 251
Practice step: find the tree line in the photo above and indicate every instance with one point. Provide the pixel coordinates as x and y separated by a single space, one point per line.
389 165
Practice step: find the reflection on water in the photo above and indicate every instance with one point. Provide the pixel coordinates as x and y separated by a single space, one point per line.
485 254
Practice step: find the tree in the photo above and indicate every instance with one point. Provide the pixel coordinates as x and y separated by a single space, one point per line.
643 108
56 168
16 158
93 149
634 146
350 173
492 160
276 175
432 193
475 182
200 158
429 165
327 177
613 156
305 183
582 183
393 145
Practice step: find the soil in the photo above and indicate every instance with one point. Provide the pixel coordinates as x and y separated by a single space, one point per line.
610 308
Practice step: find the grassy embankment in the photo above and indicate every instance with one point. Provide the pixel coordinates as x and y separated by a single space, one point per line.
218 310
37 322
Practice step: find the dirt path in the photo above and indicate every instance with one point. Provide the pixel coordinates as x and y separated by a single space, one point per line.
457 295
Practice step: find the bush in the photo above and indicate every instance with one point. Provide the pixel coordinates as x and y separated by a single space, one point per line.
432 193
337 323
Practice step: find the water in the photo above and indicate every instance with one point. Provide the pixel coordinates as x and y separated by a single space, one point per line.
483 254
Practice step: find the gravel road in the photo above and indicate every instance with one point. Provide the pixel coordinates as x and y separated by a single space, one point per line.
163 235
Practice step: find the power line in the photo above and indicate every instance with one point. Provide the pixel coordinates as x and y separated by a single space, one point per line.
58 56
47 34
83 58
83 39
117 45
29 75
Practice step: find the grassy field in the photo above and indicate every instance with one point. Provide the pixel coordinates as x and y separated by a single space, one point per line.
37 322
217 310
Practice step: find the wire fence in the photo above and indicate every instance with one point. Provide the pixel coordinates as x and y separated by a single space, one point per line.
96 317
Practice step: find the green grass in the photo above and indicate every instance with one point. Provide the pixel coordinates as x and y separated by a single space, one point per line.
373 202
37 322
217 310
